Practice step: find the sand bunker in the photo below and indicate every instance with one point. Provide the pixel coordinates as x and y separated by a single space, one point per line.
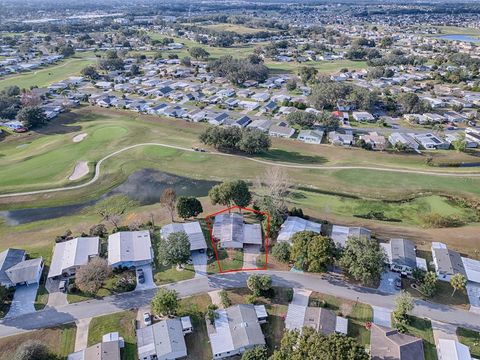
81 169
79 137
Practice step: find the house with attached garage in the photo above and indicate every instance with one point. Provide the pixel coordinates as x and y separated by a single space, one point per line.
310 136
130 249
374 141
16 270
230 231
362 116
404 139
322 320
236 329
402 256
340 234
472 136
164 340
281 131
387 343
241 122
261 124
431 141
293 225
108 349
69 255
447 262
341 139
193 231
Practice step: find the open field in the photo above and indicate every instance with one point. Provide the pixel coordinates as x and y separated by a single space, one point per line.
48 75
237 28
124 323
61 340
322 66
456 30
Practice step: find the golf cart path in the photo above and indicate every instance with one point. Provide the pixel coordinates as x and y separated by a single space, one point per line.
98 166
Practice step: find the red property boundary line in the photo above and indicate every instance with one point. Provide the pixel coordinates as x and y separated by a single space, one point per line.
210 229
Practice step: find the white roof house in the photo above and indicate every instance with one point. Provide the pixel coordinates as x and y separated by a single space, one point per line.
193 231
294 224
130 248
164 339
340 234
431 141
235 330
311 136
472 269
404 139
363 116
232 232
448 349
71 254
26 272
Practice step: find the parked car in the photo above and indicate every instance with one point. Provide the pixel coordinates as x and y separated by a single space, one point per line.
62 286
398 284
141 276
147 319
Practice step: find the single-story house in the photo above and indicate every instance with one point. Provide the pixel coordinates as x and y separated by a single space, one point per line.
375 141
9 258
106 350
311 136
472 136
324 321
404 139
241 122
293 225
401 254
193 231
362 116
340 234
15 270
164 340
447 262
236 329
386 343
261 124
231 231
339 139
449 349
281 131
130 249
431 141
69 255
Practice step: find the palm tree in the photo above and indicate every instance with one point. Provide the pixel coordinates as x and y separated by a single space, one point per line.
458 282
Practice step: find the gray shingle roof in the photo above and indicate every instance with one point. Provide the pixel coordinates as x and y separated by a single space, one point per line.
193 231
389 344
449 262
164 339
9 258
403 252
25 271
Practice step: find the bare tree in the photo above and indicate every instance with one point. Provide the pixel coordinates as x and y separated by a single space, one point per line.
90 277
168 200
276 184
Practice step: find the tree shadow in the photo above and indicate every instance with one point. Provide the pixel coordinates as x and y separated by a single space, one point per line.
292 157
62 124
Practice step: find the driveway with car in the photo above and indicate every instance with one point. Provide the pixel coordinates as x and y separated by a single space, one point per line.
387 282
199 261
23 300
148 282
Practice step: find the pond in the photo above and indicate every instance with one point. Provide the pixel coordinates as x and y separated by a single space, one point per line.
459 37
144 186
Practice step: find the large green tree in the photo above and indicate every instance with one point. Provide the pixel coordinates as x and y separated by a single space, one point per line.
312 252
256 353
259 284
429 284
165 302
363 259
226 193
403 306
32 116
188 206
311 345
281 252
175 249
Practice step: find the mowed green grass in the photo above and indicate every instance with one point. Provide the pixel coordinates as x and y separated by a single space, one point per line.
49 75
321 66
236 28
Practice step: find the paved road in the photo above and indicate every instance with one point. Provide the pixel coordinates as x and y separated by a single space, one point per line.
293 166
328 284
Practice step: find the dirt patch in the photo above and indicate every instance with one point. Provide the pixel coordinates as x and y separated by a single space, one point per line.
81 169
79 137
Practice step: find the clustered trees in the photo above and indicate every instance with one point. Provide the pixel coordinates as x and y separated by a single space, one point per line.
311 345
312 252
174 250
237 71
307 120
250 141
231 192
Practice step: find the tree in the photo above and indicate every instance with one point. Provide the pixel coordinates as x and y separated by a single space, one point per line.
198 52
32 117
165 302
186 61
329 122
66 50
212 313
403 306
30 98
312 252
168 200
291 84
175 250
307 74
99 230
458 282
229 192
259 284
411 103
226 302
429 284
33 350
303 119
311 345
281 252
250 141
363 259
90 278
256 353
254 141
188 206
460 144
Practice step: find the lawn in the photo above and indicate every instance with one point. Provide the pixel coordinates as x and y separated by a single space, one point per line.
60 340
239 29
457 30
321 66
229 260
165 275
198 346
422 328
124 323
443 295
49 75
470 338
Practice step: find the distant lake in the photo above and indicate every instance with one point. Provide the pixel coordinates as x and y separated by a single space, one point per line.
459 37
144 186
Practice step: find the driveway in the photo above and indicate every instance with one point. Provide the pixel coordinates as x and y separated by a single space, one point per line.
473 292
56 297
300 297
81 336
23 300
387 282
443 331
382 316
250 254
149 283
199 263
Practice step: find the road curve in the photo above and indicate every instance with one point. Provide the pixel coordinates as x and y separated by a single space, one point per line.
270 163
